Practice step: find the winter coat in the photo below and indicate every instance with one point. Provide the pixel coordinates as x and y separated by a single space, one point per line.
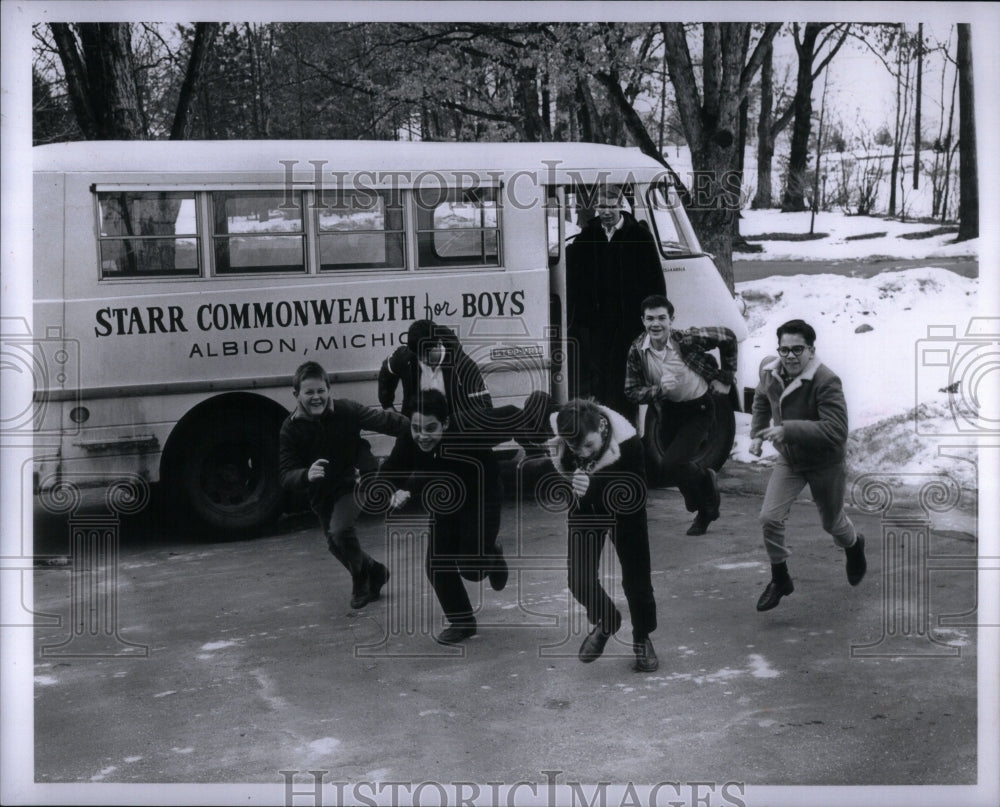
608 280
465 388
811 408
334 436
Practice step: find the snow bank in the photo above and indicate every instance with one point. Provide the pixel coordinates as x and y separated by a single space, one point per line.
874 334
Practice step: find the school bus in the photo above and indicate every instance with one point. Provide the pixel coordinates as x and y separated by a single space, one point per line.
183 282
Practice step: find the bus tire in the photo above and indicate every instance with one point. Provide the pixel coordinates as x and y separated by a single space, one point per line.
229 471
713 451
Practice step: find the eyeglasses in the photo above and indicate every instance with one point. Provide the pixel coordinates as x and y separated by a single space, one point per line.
795 350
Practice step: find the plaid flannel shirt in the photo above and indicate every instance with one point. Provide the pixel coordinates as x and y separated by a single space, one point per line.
692 344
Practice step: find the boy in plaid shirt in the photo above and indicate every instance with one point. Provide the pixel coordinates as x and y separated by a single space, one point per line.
672 371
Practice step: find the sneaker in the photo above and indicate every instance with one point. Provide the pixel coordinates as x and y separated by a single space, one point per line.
856 563
377 577
455 634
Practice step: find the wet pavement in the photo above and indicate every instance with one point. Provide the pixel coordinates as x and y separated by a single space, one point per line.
231 661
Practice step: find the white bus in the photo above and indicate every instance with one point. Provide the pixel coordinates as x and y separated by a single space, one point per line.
183 282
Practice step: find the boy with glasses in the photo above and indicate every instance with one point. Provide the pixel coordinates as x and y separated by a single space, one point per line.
804 400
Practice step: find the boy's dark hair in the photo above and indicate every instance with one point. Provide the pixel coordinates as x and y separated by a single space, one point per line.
432 403
800 327
657 301
422 335
309 369
576 419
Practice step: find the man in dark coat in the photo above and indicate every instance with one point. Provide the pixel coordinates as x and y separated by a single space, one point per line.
612 266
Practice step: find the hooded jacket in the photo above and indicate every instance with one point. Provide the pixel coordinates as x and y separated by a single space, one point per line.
812 409
621 462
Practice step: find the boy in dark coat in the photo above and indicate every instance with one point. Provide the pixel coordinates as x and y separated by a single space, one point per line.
598 451
456 449
432 358
319 448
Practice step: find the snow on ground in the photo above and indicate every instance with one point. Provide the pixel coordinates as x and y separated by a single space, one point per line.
874 334
842 241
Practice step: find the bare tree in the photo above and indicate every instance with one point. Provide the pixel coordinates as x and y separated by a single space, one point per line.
808 45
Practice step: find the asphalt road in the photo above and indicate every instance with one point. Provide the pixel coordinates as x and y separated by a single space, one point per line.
231 661
755 270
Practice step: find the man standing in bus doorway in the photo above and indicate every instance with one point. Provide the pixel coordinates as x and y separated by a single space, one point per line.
805 402
612 266
673 372
319 453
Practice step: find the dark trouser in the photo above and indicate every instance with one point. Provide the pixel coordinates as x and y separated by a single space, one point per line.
631 541
601 358
342 540
683 427
461 546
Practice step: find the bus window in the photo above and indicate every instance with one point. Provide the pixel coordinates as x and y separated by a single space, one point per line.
147 234
257 231
664 204
362 231
457 228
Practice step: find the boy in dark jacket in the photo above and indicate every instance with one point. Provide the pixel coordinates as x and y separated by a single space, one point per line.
598 451
456 450
319 453
805 402
432 358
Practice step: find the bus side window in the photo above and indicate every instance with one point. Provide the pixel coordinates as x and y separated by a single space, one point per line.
663 204
362 230
457 227
257 231
147 234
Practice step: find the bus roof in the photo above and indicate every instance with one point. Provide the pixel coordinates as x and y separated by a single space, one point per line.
206 156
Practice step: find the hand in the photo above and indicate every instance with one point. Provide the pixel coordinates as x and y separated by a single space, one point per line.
318 470
756 447
776 434
718 386
399 498
667 381
581 482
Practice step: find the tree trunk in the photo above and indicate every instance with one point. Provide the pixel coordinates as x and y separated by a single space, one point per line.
796 182
968 182
204 36
765 140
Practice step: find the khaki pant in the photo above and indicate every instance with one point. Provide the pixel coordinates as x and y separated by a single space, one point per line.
827 487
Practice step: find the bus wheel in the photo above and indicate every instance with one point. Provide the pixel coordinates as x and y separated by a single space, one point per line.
713 451
230 471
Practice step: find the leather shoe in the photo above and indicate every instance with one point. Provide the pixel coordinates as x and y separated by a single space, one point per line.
361 596
499 574
455 634
772 595
645 657
700 524
593 645
856 563
377 577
